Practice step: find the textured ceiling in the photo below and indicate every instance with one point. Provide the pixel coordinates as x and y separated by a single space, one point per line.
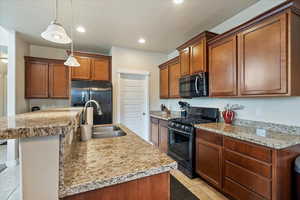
108 23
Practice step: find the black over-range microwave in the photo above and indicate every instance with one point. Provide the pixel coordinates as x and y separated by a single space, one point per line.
194 85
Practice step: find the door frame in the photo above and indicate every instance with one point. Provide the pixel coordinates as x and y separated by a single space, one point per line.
146 74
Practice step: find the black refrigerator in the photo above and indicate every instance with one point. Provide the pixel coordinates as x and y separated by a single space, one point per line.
100 91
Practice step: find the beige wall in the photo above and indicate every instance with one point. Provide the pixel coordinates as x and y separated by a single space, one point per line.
130 59
48 52
22 49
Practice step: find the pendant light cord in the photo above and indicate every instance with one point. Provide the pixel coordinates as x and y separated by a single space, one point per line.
72 24
55 11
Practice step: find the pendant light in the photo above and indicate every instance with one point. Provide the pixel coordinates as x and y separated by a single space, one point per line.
55 32
72 61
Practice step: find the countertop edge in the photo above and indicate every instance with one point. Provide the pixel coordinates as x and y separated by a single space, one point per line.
42 131
248 139
115 180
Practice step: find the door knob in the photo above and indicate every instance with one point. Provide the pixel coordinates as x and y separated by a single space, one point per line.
143 113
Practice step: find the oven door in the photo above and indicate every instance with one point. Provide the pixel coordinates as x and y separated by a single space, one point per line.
181 147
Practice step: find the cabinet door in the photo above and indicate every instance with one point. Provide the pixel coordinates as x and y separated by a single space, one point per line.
209 162
223 67
174 76
163 135
185 62
36 80
100 69
263 58
198 57
59 81
84 71
164 82
154 132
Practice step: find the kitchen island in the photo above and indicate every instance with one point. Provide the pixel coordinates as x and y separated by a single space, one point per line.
55 164
100 163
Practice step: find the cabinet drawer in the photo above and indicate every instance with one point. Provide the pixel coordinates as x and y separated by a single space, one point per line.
249 163
163 123
248 179
154 120
209 137
252 150
239 192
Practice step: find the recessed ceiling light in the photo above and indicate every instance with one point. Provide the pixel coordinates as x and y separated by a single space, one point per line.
80 29
178 1
142 41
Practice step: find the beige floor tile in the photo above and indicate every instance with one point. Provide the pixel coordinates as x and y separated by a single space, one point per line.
9 182
196 190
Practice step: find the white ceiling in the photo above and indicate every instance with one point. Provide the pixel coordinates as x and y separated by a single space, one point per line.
108 23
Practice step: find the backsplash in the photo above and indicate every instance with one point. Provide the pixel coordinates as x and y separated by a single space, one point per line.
273 110
49 103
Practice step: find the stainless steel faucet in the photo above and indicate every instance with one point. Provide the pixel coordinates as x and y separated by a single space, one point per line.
99 110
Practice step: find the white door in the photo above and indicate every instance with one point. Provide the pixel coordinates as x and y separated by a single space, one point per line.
133 94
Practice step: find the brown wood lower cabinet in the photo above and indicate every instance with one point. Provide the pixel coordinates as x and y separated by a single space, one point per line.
154 136
149 188
209 157
159 133
244 170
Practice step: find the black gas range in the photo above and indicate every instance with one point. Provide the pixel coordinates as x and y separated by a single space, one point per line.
181 143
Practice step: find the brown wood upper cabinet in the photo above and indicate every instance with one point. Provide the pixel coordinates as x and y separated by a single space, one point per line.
184 61
59 80
46 78
263 57
259 57
223 67
193 54
174 76
164 81
169 79
92 67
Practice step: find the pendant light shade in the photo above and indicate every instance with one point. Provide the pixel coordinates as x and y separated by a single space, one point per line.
72 61
55 32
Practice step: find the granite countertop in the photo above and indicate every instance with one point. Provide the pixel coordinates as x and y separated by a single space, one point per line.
98 163
268 138
163 115
49 122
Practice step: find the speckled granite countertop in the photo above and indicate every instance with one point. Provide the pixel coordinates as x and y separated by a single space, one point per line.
50 122
272 139
163 115
103 162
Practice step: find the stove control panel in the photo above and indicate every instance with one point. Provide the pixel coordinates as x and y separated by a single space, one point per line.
181 127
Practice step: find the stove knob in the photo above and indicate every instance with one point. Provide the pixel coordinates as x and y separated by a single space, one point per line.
188 129
183 127
177 125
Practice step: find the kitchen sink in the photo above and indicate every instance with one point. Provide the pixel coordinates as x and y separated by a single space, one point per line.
107 132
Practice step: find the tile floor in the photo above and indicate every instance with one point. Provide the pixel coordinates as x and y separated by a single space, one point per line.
3 153
198 187
9 183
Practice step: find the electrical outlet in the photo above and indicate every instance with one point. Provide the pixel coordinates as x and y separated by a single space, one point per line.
261 132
